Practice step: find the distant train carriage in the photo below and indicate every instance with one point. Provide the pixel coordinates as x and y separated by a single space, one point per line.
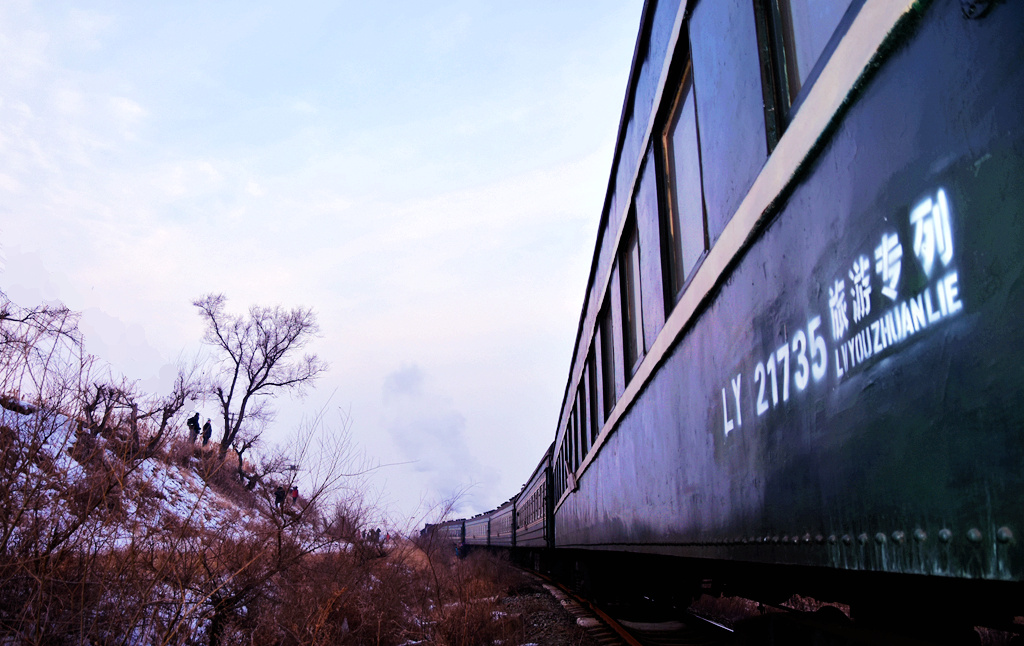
503 525
478 530
533 509
452 531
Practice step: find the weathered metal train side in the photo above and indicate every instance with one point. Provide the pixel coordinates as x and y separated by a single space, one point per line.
478 530
532 508
533 535
503 525
850 394
452 532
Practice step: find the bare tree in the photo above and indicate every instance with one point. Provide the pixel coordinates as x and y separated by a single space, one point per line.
105 402
257 359
261 463
37 343
187 386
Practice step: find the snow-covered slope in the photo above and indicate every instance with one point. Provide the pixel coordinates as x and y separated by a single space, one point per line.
54 466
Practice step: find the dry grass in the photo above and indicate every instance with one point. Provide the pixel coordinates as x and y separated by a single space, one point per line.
92 553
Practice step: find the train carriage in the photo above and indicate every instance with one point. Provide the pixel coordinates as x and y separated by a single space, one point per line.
799 366
503 525
452 531
799 351
478 530
533 508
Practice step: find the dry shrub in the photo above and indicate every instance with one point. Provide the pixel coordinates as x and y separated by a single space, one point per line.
486 620
88 449
312 605
338 596
334 598
220 476
477 623
100 489
178 451
462 596
493 573
76 569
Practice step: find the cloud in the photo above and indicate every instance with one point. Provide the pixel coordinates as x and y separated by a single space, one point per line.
253 188
9 184
24 276
126 109
431 434
123 345
406 381
140 172
304 107
84 30
67 100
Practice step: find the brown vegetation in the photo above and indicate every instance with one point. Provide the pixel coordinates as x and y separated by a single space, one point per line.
115 529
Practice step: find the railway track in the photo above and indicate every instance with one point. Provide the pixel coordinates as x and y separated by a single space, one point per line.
778 625
609 631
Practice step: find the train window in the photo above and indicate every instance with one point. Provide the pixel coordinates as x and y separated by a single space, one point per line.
584 410
559 481
574 461
570 445
632 314
557 473
581 439
794 36
595 424
574 424
558 477
607 360
684 225
806 26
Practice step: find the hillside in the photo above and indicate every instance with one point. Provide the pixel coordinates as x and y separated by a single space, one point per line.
95 539
115 529
99 545
55 462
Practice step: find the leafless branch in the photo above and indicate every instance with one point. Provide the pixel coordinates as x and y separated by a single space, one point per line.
256 359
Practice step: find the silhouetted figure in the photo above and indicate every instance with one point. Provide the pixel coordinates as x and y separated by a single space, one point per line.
193 427
207 432
279 495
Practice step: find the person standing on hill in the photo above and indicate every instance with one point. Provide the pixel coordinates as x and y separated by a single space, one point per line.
193 427
279 495
207 432
293 496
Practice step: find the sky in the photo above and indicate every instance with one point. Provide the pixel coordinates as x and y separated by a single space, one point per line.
428 177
